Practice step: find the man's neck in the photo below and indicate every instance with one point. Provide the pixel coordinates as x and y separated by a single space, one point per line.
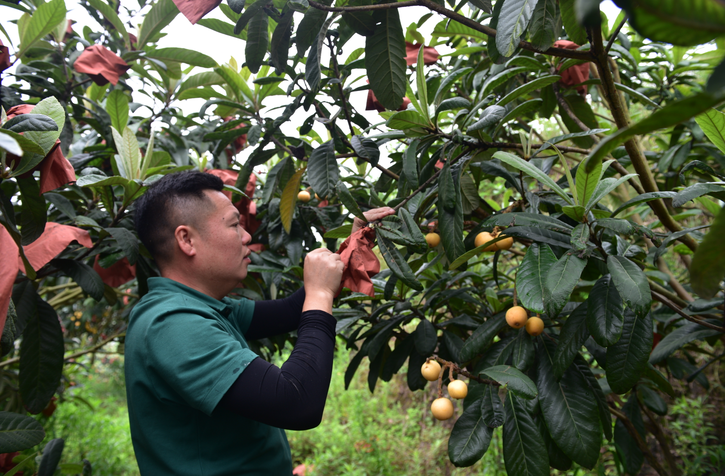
191 279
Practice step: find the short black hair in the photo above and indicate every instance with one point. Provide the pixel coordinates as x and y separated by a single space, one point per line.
169 202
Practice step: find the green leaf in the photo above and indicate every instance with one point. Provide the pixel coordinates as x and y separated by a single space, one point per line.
450 215
605 312
469 194
583 111
361 23
33 214
309 28
530 219
51 457
581 366
561 278
712 123
514 379
667 21
86 277
11 145
339 232
519 111
645 197
689 332
97 180
524 450
127 241
117 108
366 148
347 199
503 77
421 84
696 190
289 200
534 85
523 351
43 20
396 263
708 263
561 138
426 338
604 188
586 183
160 15
410 164
512 21
491 408
627 359
557 458
659 380
469 438
652 400
403 120
279 48
182 55
482 337
532 171
580 237
41 357
30 122
447 82
19 432
322 170
545 24
570 410
410 227
385 59
53 109
257 41
28 146
674 113
574 30
571 338
110 14
540 235
631 283
490 116
531 276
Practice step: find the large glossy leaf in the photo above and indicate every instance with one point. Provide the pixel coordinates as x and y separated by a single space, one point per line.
469 438
86 277
689 332
482 337
41 358
348 200
670 115
322 170
631 283
545 24
43 20
10 144
531 276
30 122
534 85
530 219
110 14
279 47
512 21
127 241
571 338
570 410
712 123
403 120
645 197
117 108
51 457
561 278
450 215
426 338
396 263
586 183
574 30
524 450
489 117
604 188
183 55
532 171
309 28
385 59
447 82
19 432
605 312
34 216
708 264
668 21
557 458
627 359
697 190
257 41
513 378
491 407
289 200
410 227
582 367
160 15
583 111
52 108
523 351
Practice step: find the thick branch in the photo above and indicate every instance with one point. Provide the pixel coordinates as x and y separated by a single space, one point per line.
559 52
671 305
639 161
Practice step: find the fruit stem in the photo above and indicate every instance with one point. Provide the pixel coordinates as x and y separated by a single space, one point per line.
460 371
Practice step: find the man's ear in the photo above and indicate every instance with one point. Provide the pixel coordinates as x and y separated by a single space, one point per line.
184 240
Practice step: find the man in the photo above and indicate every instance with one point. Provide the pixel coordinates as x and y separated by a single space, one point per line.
200 401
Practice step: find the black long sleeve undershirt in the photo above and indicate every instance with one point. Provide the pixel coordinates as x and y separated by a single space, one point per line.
276 317
293 396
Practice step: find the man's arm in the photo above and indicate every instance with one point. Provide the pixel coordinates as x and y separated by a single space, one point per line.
276 317
293 396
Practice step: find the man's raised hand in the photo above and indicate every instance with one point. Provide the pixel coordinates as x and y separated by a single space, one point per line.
323 274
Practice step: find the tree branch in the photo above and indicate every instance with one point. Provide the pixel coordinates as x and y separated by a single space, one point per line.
641 444
658 297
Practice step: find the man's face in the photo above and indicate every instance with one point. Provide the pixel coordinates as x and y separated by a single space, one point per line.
222 244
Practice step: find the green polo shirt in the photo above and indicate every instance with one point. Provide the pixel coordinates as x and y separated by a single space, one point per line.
184 350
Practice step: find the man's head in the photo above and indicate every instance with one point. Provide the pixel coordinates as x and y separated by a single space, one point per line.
186 222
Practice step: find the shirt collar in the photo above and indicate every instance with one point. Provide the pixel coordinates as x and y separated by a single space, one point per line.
166 285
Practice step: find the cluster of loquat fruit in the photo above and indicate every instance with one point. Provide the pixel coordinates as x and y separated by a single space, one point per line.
442 408
517 317
433 239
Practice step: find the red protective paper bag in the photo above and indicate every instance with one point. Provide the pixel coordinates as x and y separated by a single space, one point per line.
247 208
5 62
361 264
194 10
101 64
430 54
576 74
117 274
